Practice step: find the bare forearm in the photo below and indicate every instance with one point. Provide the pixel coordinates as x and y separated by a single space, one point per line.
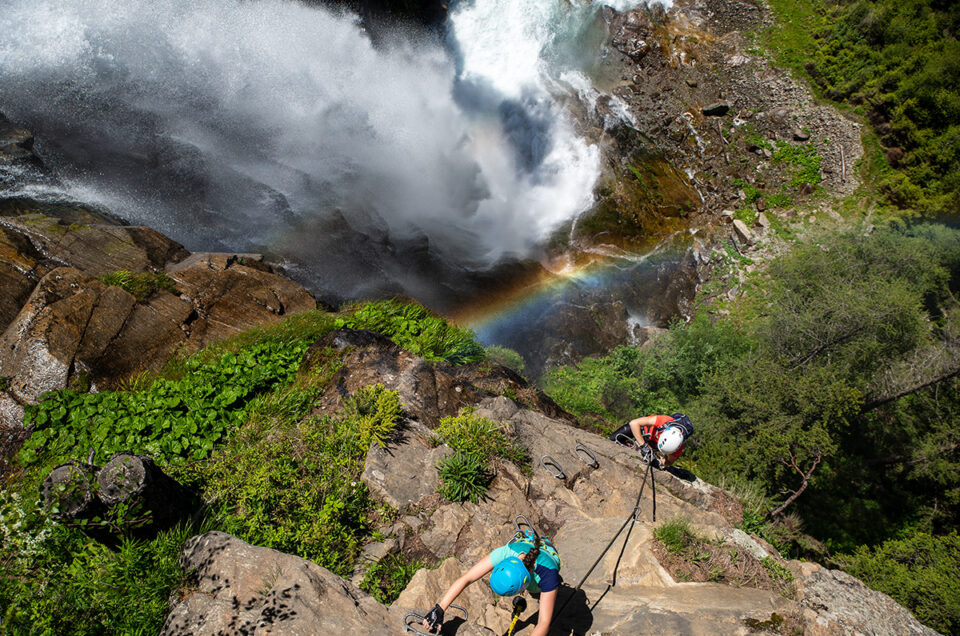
458 586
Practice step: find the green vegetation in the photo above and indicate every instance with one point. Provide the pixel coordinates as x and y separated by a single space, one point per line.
168 420
385 579
652 380
803 159
463 477
898 64
291 481
919 571
415 329
692 557
237 423
480 437
830 393
141 284
676 535
56 581
477 442
507 357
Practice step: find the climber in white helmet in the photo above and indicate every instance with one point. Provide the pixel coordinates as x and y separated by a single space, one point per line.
665 434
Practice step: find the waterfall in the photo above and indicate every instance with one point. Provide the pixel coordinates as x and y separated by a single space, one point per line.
275 126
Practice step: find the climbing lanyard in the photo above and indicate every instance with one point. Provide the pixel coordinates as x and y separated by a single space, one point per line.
519 606
631 520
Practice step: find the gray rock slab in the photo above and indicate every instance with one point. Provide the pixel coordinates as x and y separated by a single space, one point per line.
404 471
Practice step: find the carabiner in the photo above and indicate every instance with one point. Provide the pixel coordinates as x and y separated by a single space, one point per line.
629 441
582 450
546 461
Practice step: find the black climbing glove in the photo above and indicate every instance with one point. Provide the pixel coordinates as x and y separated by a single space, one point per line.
434 618
655 462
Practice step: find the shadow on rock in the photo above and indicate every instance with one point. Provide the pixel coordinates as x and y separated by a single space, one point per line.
577 616
682 473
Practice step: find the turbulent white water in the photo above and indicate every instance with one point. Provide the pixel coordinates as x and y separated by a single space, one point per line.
272 125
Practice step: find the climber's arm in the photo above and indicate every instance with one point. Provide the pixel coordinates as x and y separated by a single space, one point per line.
547 602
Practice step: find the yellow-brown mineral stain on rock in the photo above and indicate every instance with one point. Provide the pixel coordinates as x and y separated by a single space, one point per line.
649 201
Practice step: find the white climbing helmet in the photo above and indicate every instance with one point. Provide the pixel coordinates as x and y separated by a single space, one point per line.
670 440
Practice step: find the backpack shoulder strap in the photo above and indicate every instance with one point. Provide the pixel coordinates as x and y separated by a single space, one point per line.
683 422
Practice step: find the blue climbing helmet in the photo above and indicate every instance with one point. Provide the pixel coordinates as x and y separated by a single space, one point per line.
509 577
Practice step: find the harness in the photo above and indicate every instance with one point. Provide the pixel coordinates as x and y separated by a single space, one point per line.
523 541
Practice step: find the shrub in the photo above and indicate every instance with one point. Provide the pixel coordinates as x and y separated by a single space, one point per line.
56 580
291 481
480 437
415 329
462 477
919 572
141 284
385 579
656 379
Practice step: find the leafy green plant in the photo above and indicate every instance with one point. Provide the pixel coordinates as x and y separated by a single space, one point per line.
480 437
291 481
386 579
463 477
417 330
169 419
141 284
56 580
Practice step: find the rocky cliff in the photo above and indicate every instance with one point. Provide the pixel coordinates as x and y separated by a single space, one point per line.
72 312
242 588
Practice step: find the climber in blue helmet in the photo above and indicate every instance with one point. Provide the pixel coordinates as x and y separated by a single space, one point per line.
529 562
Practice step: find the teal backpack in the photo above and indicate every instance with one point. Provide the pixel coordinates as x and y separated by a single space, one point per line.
523 541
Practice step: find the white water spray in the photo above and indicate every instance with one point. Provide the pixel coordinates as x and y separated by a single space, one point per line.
238 125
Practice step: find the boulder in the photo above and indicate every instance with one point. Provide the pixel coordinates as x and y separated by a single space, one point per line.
38 347
11 413
799 134
148 496
835 603
717 109
428 391
147 338
232 293
404 472
69 492
743 232
238 588
18 273
93 247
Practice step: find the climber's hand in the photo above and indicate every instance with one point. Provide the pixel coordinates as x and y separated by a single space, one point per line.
434 619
